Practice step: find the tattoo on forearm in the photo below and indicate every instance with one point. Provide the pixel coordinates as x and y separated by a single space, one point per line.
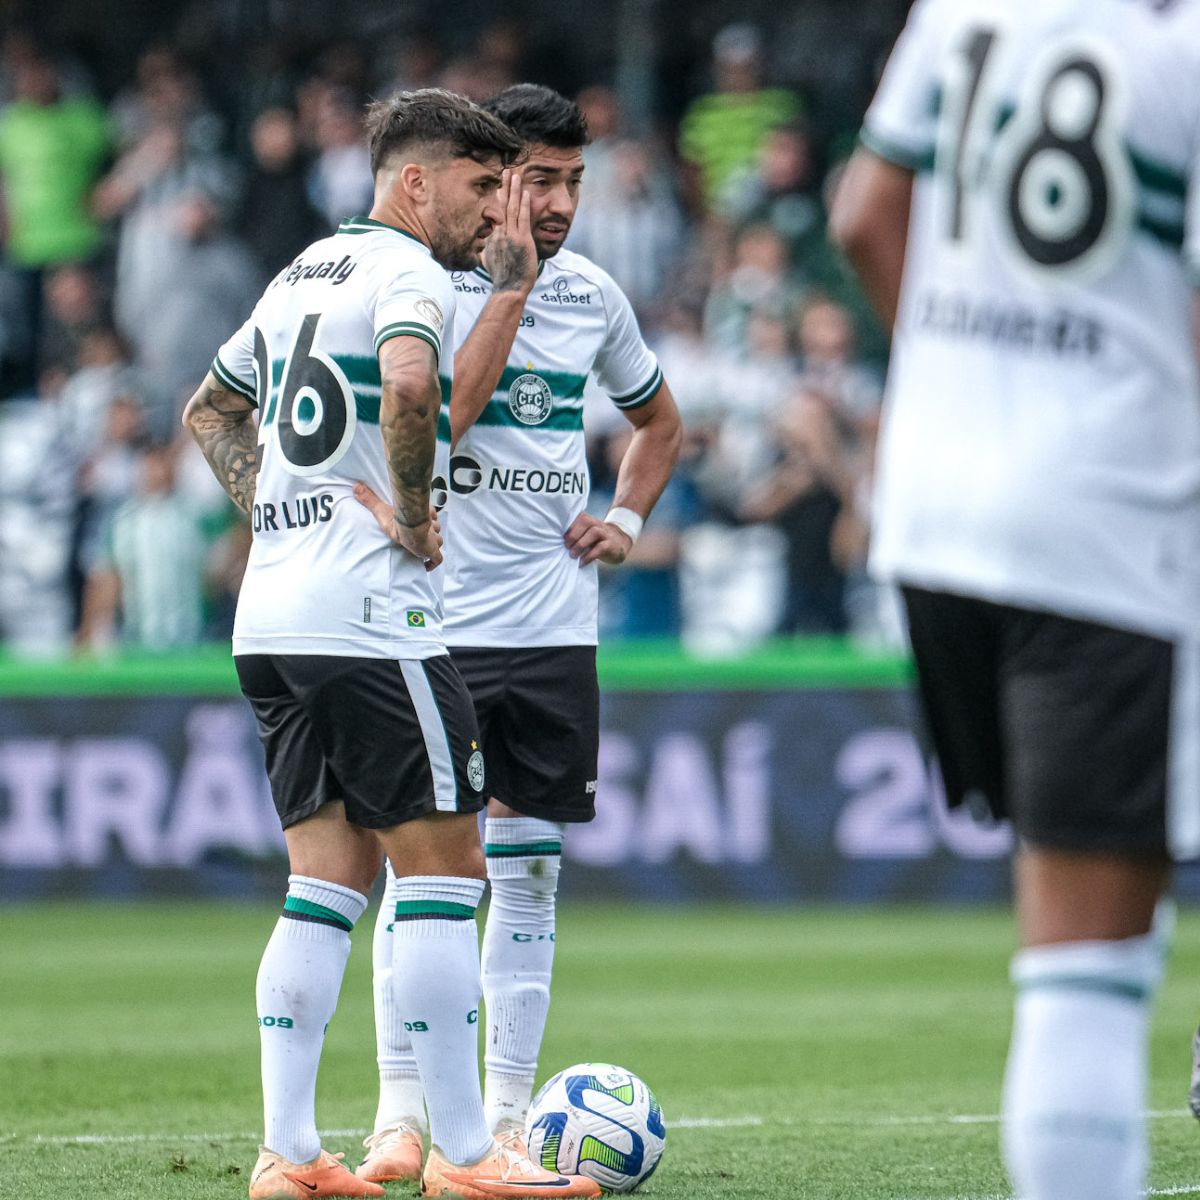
409 432
229 440
509 267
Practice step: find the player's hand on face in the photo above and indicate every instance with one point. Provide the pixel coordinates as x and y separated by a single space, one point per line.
591 540
509 255
422 541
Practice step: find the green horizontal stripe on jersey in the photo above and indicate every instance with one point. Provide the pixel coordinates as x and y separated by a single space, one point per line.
359 368
231 381
443 432
1158 177
521 850
366 408
498 413
416 910
563 386
1168 232
318 912
1153 176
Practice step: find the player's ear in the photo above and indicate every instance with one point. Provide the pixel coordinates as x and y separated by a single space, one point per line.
413 179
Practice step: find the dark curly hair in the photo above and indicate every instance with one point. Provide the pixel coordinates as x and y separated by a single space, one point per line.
540 115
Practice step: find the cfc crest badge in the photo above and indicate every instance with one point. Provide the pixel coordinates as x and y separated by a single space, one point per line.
475 770
530 399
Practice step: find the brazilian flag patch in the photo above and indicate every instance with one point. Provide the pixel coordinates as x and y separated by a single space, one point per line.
416 618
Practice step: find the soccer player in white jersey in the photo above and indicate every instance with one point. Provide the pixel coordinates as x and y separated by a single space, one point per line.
1024 209
534 321
371 743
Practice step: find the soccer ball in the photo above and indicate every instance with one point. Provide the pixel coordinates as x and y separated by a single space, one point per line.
598 1120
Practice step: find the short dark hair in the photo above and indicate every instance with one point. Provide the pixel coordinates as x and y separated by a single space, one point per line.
540 115
436 117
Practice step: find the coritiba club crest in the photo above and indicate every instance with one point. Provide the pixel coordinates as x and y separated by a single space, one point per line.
530 399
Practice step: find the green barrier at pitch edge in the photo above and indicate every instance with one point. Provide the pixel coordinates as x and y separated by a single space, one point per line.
648 666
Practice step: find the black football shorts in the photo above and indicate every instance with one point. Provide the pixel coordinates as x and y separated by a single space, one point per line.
394 739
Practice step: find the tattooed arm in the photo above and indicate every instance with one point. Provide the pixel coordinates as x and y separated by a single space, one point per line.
510 258
221 422
408 418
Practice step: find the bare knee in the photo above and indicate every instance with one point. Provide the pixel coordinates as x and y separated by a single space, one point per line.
325 846
1064 896
438 844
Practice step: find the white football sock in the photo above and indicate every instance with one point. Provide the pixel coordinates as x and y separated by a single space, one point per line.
297 991
1076 1080
435 977
400 1096
523 856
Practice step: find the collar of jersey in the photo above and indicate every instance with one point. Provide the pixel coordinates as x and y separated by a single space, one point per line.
484 275
369 225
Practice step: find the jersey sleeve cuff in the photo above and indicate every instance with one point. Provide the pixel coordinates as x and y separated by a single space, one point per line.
899 155
229 380
641 395
409 329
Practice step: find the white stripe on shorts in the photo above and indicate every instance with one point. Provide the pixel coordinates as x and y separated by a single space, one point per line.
1183 752
433 730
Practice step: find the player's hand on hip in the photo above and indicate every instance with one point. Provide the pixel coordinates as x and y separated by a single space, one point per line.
423 541
509 255
591 540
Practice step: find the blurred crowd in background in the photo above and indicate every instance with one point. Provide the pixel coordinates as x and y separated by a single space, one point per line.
141 223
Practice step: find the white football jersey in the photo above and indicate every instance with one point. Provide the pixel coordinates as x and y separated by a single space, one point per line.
1041 441
519 476
322 577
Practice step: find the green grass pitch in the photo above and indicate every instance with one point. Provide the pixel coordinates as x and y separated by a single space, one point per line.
824 1054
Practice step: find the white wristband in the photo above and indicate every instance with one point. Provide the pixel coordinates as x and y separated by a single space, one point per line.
626 520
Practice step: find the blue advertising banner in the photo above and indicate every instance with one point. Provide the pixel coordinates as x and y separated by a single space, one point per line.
817 794
770 795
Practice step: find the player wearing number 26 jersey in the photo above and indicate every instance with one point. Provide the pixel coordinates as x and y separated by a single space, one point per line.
372 747
320 580
1026 210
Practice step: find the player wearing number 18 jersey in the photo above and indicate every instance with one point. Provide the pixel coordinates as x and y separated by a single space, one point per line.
521 583
371 742
1026 210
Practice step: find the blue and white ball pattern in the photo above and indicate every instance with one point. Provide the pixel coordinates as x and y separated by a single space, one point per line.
597 1120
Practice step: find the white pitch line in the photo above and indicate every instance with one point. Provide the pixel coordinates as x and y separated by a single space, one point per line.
742 1122
1162 1114
133 1139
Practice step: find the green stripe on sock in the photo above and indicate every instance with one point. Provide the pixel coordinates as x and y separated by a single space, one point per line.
1126 989
520 849
309 909
434 908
